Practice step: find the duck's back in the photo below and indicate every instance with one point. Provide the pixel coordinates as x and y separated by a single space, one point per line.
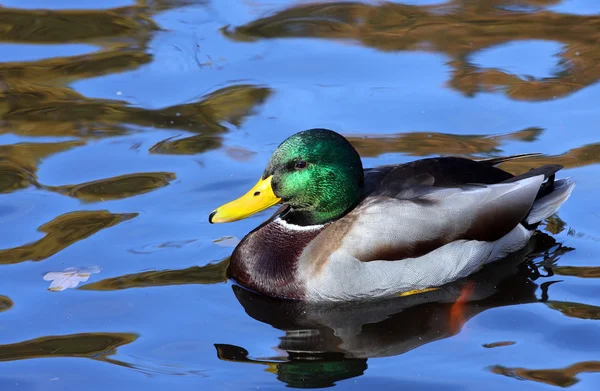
438 172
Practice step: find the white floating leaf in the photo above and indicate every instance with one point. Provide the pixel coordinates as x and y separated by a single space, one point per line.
227 241
69 278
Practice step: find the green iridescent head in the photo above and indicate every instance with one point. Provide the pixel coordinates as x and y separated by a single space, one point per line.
316 172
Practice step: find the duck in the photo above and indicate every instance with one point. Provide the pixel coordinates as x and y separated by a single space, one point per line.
345 233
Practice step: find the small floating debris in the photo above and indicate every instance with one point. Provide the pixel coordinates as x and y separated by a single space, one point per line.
69 278
227 241
498 344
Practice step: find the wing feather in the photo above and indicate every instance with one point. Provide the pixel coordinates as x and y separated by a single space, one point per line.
389 228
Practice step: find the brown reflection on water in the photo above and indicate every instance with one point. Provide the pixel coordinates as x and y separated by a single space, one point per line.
456 28
578 271
230 104
101 26
555 225
18 162
564 377
499 344
118 187
5 303
575 310
31 81
122 34
48 26
97 346
62 232
213 273
35 99
424 144
44 106
577 157
187 145
427 143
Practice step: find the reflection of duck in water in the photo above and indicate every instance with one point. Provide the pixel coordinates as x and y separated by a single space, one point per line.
326 343
345 233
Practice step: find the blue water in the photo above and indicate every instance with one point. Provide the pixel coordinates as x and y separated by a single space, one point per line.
202 111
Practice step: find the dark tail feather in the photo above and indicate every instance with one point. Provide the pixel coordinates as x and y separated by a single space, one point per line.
497 160
551 195
549 171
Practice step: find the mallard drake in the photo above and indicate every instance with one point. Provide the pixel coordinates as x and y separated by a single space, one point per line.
344 233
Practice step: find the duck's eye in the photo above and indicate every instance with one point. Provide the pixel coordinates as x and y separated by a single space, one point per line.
301 164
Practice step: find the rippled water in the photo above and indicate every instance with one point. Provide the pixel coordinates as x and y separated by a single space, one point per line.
124 123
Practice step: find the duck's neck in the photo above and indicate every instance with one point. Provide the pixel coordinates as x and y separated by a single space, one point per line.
325 212
305 218
267 259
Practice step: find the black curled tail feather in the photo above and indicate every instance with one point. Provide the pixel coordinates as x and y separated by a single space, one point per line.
549 171
494 161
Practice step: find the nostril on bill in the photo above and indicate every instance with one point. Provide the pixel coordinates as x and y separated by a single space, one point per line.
256 193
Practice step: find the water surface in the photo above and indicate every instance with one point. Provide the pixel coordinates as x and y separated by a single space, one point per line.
123 124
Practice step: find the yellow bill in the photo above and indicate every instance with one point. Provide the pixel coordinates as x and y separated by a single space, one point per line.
257 199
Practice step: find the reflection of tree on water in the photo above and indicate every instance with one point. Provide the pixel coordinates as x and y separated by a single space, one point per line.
564 377
325 344
61 233
96 346
429 143
458 28
575 310
47 111
18 162
423 144
60 26
35 99
5 303
212 273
